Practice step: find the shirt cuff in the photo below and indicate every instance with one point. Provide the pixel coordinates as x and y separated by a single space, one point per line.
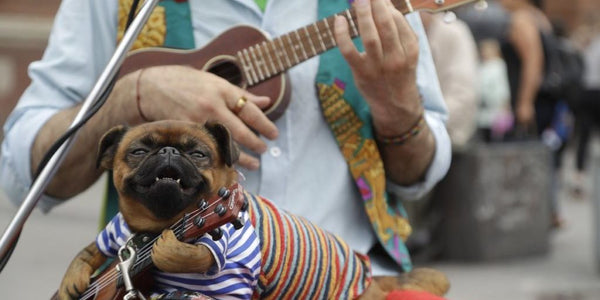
15 174
438 168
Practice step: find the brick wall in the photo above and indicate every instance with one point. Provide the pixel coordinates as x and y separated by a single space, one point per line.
24 29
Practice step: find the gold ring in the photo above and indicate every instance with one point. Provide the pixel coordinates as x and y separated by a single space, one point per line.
239 105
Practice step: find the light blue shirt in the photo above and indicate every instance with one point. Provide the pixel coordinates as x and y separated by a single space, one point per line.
302 171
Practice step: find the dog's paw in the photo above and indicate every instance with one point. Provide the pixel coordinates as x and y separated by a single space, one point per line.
420 279
425 279
75 281
173 256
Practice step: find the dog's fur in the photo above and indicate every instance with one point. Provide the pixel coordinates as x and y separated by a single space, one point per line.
151 199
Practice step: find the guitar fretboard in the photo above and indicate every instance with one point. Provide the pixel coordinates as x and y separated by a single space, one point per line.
269 58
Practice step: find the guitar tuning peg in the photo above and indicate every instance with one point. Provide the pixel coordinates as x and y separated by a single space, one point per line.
220 210
203 204
481 5
216 234
199 221
449 17
237 223
223 192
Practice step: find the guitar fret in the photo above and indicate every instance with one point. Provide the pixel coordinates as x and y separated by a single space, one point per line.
261 61
351 20
318 32
326 21
292 47
312 46
301 45
254 78
277 54
244 66
265 46
285 54
257 64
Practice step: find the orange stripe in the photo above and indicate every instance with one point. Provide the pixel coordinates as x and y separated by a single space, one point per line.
313 262
329 257
301 254
285 275
278 236
266 231
339 292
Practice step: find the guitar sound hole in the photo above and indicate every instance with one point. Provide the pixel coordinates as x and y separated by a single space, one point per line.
229 71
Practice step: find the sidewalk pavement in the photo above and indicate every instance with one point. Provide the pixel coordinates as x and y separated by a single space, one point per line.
570 271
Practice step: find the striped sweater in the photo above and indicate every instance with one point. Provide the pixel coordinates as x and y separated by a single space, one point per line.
297 259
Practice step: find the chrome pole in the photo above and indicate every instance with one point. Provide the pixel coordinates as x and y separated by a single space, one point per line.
42 181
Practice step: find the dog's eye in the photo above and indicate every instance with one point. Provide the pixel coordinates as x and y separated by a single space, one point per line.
198 154
139 151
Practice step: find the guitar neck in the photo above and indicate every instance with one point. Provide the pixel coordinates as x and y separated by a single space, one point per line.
269 58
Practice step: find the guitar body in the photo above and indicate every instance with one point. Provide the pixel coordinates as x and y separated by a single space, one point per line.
219 57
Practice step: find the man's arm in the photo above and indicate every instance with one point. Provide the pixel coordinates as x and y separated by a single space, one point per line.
386 76
66 73
526 39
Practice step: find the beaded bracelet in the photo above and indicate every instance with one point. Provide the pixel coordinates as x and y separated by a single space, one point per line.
403 138
138 97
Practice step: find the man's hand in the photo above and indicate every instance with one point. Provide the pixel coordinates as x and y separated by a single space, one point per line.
179 92
385 73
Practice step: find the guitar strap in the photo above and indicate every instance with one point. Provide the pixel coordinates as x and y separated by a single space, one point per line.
349 118
343 107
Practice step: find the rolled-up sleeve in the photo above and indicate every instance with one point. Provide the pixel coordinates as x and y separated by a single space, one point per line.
436 115
82 39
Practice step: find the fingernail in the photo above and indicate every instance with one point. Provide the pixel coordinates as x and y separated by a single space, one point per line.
361 2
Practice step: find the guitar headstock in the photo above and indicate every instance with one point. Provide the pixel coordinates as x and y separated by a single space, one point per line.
212 213
433 6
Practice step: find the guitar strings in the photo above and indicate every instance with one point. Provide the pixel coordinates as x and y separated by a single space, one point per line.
145 252
114 274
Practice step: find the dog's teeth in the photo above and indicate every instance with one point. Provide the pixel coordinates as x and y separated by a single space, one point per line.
156 179
178 180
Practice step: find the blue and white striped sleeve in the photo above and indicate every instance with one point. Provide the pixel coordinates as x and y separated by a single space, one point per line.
114 235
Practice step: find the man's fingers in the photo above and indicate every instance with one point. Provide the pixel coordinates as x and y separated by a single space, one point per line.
391 43
367 28
261 101
342 37
248 161
255 118
409 39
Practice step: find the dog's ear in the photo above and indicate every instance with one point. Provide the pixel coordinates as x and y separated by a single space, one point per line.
107 147
227 147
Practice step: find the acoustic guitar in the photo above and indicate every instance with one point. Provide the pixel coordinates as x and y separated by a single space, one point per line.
110 284
246 57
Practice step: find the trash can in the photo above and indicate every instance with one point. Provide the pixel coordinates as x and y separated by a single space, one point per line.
495 202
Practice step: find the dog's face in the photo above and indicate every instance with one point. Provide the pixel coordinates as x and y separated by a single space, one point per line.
162 169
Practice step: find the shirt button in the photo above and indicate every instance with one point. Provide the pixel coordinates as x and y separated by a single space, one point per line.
275 151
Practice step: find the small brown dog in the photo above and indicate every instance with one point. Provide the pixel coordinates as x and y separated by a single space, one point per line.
162 171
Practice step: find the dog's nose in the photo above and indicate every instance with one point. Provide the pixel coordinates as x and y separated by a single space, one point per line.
168 151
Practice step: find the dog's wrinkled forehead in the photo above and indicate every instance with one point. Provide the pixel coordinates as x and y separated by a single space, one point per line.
161 134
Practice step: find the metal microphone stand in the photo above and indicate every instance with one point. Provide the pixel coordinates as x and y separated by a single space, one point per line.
41 182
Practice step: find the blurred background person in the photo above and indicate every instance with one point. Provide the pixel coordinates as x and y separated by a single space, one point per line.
455 56
494 118
587 108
